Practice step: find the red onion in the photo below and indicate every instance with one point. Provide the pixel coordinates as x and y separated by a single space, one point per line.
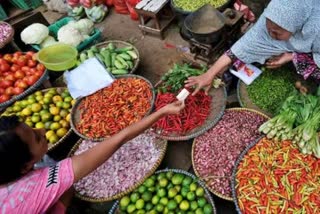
5 31
217 150
125 168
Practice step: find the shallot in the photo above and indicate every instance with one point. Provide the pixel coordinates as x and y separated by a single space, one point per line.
5 31
127 166
216 151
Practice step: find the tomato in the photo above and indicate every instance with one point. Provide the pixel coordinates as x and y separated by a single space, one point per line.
22 61
21 84
6 83
10 77
19 74
2 61
14 68
14 60
33 71
17 90
17 54
30 53
41 67
7 57
4 67
25 69
38 74
6 73
9 91
32 63
4 98
31 80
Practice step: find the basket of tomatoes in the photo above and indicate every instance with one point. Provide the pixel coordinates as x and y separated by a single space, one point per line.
20 75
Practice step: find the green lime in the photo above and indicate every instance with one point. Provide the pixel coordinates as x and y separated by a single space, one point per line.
193 187
163 182
169 175
45 117
151 189
166 210
161 192
142 189
57 98
134 197
170 185
160 208
152 212
178 198
187 181
172 205
184 191
164 201
207 209
35 118
184 205
67 99
38 93
161 175
201 202
29 123
16 108
191 196
32 96
39 125
53 139
140 212
24 103
52 91
154 177
139 204
39 98
56 118
200 192
65 94
155 200
178 188
172 192
148 207
177 179
147 196
59 104
199 211
62 132
131 208
125 201
47 125
49 134
31 101
66 105
47 100
194 205
63 113
55 126
54 110
26 112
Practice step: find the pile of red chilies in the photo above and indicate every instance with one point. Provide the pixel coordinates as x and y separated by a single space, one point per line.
192 116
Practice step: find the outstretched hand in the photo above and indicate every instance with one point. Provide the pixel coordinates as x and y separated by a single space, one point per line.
203 81
174 108
278 61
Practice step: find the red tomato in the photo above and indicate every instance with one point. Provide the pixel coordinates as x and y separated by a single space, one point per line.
41 67
2 91
19 74
22 61
31 80
14 68
14 59
17 90
2 61
32 63
10 77
7 57
25 69
38 74
9 91
33 70
6 73
30 53
17 54
21 84
4 67
6 83
4 98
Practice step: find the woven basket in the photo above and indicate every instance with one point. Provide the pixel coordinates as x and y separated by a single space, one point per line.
195 142
75 113
29 90
161 144
244 99
114 209
218 104
122 44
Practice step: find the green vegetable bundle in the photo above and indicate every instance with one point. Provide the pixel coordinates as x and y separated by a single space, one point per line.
117 60
193 5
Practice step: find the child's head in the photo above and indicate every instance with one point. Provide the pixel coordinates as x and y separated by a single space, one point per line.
20 148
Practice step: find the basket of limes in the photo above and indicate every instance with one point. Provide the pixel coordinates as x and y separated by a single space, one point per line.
48 109
167 191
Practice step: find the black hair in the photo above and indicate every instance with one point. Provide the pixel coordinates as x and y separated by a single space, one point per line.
14 152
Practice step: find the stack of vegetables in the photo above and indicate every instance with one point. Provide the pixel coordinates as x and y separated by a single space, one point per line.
94 9
117 60
299 121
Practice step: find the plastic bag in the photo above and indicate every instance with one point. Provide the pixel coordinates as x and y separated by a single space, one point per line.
109 3
76 12
131 4
97 13
121 6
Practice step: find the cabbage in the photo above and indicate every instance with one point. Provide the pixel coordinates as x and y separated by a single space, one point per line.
68 34
49 40
85 26
34 34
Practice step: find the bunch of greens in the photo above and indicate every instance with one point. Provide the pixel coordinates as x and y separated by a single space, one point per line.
270 90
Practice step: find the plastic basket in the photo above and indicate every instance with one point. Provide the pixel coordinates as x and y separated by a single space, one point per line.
26 4
3 14
54 28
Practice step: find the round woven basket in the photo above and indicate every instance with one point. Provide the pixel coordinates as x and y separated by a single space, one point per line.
218 105
114 209
75 113
160 144
27 92
195 142
122 44
9 38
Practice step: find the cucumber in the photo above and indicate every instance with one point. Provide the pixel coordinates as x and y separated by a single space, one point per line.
125 56
123 62
119 65
133 54
123 50
100 57
94 49
119 71
113 59
78 63
90 54
83 57
111 46
107 58
130 64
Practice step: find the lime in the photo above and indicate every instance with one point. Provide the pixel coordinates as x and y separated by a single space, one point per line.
163 182
73 102
45 117
47 125
56 118
166 210
44 111
184 205
160 208
169 175
172 192
38 93
134 197
201 202
164 201
131 208
170 185
152 212
139 204
171 212
52 91
26 112
172 205
199 211
184 191
191 196
200 192
49 134
65 94
66 105
54 110
187 181
24 103
53 139
29 123
55 126
62 132
16 108
45 106
147 196
142 189
39 98
177 179
194 205
56 98
64 123
178 188
155 200
148 206
125 201
35 118
68 118
59 104
193 187
207 209
47 100
67 99
140 212
63 113
161 192
161 175
31 101
39 125
178 198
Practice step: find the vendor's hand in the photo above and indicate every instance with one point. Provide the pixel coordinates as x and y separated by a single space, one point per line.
278 61
173 108
202 81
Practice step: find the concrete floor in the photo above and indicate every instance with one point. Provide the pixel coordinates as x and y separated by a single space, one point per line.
156 59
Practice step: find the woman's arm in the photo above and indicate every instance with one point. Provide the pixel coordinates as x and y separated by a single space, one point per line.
88 161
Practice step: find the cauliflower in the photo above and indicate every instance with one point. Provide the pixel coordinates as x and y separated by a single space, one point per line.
68 34
34 34
85 26
49 40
